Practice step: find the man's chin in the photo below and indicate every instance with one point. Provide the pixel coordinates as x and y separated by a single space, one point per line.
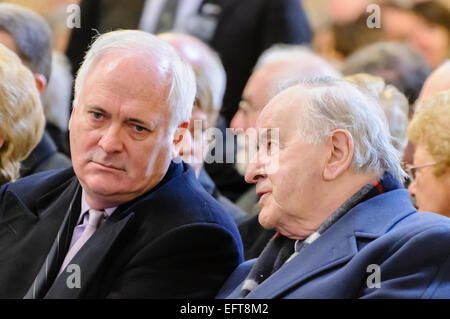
102 185
265 220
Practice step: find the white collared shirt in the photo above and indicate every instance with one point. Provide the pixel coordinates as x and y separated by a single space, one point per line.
85 207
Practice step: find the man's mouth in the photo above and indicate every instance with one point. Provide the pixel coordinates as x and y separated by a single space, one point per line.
108 166
261 194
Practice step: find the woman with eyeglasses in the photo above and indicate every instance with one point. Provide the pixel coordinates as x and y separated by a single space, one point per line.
430 172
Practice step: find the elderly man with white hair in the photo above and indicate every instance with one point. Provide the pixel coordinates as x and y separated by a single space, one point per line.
278 65
329 182
126 221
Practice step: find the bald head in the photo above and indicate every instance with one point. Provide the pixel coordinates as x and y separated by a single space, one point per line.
439 80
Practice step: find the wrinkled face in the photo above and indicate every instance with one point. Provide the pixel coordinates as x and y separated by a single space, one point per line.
119 131
288 189
432 193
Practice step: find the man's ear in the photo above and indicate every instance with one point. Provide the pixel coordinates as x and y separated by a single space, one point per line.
178 138
41 82
341 154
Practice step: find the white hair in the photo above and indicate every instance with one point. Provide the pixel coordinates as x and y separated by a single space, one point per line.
293 63
331 104
183 87
312 64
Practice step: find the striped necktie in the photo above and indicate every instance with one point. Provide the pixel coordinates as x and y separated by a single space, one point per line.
90 224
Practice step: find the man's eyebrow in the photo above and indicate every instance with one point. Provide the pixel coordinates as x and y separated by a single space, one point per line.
94 107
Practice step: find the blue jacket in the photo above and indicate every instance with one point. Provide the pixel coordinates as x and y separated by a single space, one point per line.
383 237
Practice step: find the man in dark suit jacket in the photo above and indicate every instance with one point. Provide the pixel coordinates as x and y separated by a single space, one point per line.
345 229
149 230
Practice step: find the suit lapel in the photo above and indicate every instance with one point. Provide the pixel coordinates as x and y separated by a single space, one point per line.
54 258
334 247
90 257
337 245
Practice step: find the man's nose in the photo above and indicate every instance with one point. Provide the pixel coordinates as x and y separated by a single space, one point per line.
255 170
112 141
238 121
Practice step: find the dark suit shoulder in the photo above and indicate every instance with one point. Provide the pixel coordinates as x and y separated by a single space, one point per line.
186 199
29 189
181 202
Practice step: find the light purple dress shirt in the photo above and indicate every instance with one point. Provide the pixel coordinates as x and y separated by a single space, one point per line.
83 219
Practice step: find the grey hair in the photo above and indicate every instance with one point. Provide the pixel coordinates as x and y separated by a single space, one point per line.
32 36
183 87
331 104
392 101
294 63
313 64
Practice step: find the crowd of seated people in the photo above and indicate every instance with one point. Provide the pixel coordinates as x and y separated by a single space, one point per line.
339 148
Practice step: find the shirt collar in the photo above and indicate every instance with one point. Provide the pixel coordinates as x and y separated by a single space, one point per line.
85 207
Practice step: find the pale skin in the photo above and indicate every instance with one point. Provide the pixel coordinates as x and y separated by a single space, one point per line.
311 181
120 139
432 193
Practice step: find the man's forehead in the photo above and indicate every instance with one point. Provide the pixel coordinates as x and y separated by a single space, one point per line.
123 61
283 107
134 72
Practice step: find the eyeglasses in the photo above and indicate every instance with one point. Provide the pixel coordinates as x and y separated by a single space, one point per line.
412 169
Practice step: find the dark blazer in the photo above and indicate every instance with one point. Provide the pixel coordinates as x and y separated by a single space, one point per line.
44 157
237 214
412 250
173 242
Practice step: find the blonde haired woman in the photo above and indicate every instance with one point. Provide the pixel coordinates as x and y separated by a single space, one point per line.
430 172
21 114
